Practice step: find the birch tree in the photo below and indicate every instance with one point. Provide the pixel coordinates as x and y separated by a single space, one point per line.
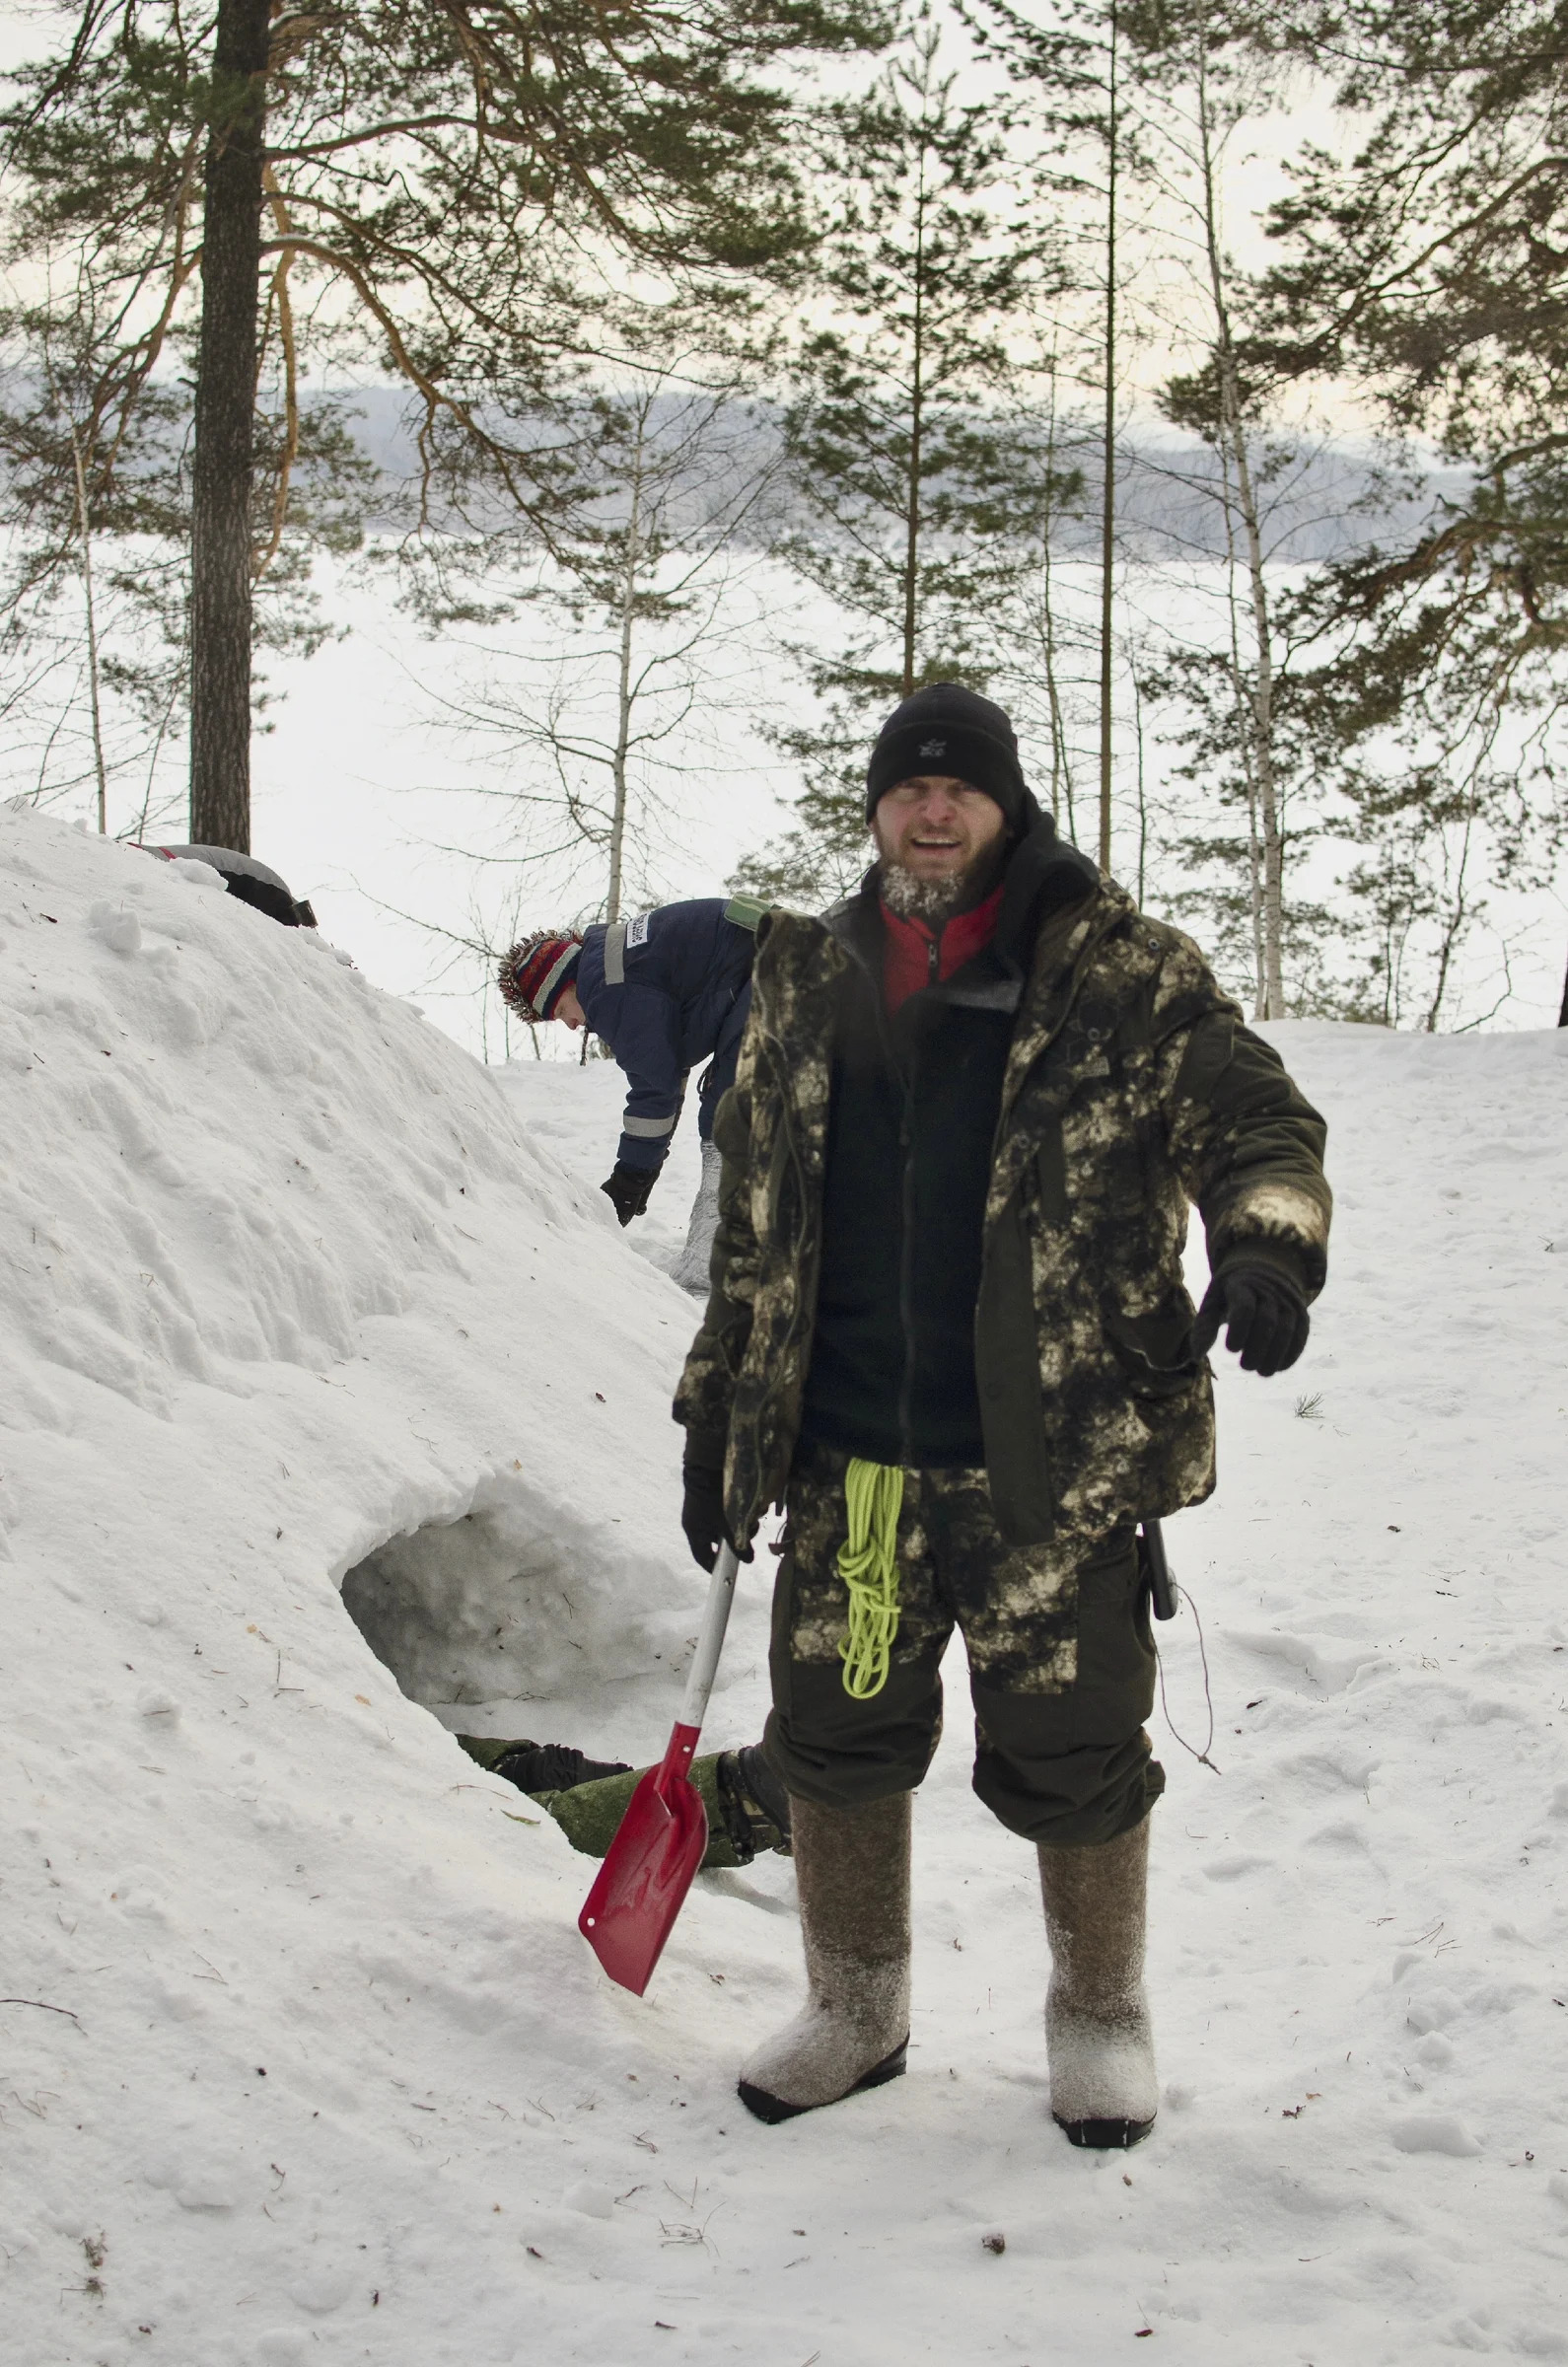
1201 91
602 721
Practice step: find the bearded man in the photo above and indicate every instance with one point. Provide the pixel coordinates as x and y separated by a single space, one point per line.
948 1330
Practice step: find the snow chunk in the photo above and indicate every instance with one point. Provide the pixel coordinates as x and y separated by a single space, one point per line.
281 2346
118 929
321 2291
1435 2011
199 2175
596 2202
199 874
1434 2132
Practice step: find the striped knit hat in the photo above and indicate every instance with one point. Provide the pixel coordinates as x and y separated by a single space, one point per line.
534 975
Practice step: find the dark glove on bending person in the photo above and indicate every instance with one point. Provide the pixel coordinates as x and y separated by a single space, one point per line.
702 1507
631 1188
1264 1314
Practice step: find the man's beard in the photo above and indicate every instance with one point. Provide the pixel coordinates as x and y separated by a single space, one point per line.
935 902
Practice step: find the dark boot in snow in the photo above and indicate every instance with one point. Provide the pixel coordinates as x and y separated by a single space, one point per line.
853 1871
1097 2038
538 1767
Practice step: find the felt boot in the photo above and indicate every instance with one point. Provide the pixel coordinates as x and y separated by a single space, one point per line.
1097 2038
691 1267
852 1865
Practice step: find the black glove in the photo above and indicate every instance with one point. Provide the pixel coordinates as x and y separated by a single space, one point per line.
1264 1313
702 1509
631 1188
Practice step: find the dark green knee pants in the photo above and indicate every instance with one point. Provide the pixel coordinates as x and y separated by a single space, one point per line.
1061 1662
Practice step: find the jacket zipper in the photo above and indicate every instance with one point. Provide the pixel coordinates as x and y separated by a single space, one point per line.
906 1289
907 1212
788 1343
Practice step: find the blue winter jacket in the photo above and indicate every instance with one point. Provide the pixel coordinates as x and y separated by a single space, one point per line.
666 991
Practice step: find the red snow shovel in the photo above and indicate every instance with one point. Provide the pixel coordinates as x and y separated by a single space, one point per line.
642 1885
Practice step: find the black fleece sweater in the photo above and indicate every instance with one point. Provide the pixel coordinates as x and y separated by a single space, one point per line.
912 1122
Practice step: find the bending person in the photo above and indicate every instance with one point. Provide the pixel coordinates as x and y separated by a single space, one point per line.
665 992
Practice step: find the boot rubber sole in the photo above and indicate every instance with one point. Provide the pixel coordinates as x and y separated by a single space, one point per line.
1105 2137
773 2108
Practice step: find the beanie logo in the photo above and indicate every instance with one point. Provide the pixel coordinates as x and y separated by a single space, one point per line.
933 748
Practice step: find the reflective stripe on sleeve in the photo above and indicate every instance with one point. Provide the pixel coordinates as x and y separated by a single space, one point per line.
615 954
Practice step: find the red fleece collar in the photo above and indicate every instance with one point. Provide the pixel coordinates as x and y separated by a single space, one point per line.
906 959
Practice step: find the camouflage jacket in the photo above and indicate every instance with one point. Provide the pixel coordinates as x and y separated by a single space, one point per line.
1131 1088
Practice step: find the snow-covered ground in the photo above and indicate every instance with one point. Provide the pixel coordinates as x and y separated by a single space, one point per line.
310 2062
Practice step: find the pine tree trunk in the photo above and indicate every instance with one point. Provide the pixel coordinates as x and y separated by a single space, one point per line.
1107 516
912 519
94 707
1264 714
226 374
1061 771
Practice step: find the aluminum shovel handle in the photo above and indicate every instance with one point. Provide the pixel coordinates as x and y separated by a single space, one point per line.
710 1638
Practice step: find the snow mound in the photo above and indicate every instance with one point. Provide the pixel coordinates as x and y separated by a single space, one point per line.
286 1293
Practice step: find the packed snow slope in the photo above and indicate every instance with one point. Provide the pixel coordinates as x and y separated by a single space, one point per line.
303 2056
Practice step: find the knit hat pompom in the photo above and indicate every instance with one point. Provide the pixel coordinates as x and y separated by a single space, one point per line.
534 975
949 730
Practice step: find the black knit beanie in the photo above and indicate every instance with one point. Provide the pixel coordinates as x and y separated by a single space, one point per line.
946 729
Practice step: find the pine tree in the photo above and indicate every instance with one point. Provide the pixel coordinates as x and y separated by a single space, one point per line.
901 440
427 173
1427 271
663 472
1200 83
97 485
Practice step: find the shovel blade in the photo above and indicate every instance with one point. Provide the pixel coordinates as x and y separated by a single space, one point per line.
648 1868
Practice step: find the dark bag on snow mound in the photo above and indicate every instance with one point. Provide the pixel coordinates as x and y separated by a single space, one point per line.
254 884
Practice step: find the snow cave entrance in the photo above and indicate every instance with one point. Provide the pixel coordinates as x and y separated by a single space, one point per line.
474 1609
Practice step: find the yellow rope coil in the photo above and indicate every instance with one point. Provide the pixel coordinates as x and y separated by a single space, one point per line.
869 1567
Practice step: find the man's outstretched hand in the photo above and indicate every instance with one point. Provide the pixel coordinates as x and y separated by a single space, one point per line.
1264 1317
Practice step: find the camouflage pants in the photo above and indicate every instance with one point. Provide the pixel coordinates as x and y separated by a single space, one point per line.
1061 1663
